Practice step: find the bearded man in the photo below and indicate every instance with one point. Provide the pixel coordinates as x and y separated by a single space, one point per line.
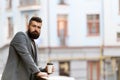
22 61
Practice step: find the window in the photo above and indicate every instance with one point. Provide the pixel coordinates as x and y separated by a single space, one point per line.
9 4
64 68
118 72
29 2
119 6
118 36
93 70
10 27
26 20
62 2
62 29
93 24
109 69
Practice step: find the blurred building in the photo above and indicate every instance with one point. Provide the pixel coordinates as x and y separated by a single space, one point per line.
111 38
81 37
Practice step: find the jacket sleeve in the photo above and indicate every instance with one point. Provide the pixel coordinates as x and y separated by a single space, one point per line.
19 42
42 69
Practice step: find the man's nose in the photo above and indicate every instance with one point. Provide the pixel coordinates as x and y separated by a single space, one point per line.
36 28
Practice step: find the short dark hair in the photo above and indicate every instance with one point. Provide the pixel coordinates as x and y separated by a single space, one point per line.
34 18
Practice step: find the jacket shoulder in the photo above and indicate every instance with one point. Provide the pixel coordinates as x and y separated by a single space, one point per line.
19 36
18 33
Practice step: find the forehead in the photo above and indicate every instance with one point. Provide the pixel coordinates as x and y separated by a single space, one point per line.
36 23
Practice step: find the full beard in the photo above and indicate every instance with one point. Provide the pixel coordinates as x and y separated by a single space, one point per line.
33 35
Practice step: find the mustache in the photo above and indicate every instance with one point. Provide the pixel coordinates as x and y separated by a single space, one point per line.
35 32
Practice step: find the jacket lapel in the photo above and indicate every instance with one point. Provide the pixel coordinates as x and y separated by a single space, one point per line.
34 51
31 48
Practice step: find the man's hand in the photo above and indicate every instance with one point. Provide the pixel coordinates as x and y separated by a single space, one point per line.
42 75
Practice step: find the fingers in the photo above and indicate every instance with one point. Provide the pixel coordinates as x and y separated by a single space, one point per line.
53 69
42 74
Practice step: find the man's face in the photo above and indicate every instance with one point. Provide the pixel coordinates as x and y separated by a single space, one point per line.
34 29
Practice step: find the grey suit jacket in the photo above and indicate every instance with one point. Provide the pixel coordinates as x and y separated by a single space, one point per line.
21 63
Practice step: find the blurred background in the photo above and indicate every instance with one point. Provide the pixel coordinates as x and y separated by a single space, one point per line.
80 37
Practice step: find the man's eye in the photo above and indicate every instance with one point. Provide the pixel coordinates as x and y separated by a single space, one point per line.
34 26
39 27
